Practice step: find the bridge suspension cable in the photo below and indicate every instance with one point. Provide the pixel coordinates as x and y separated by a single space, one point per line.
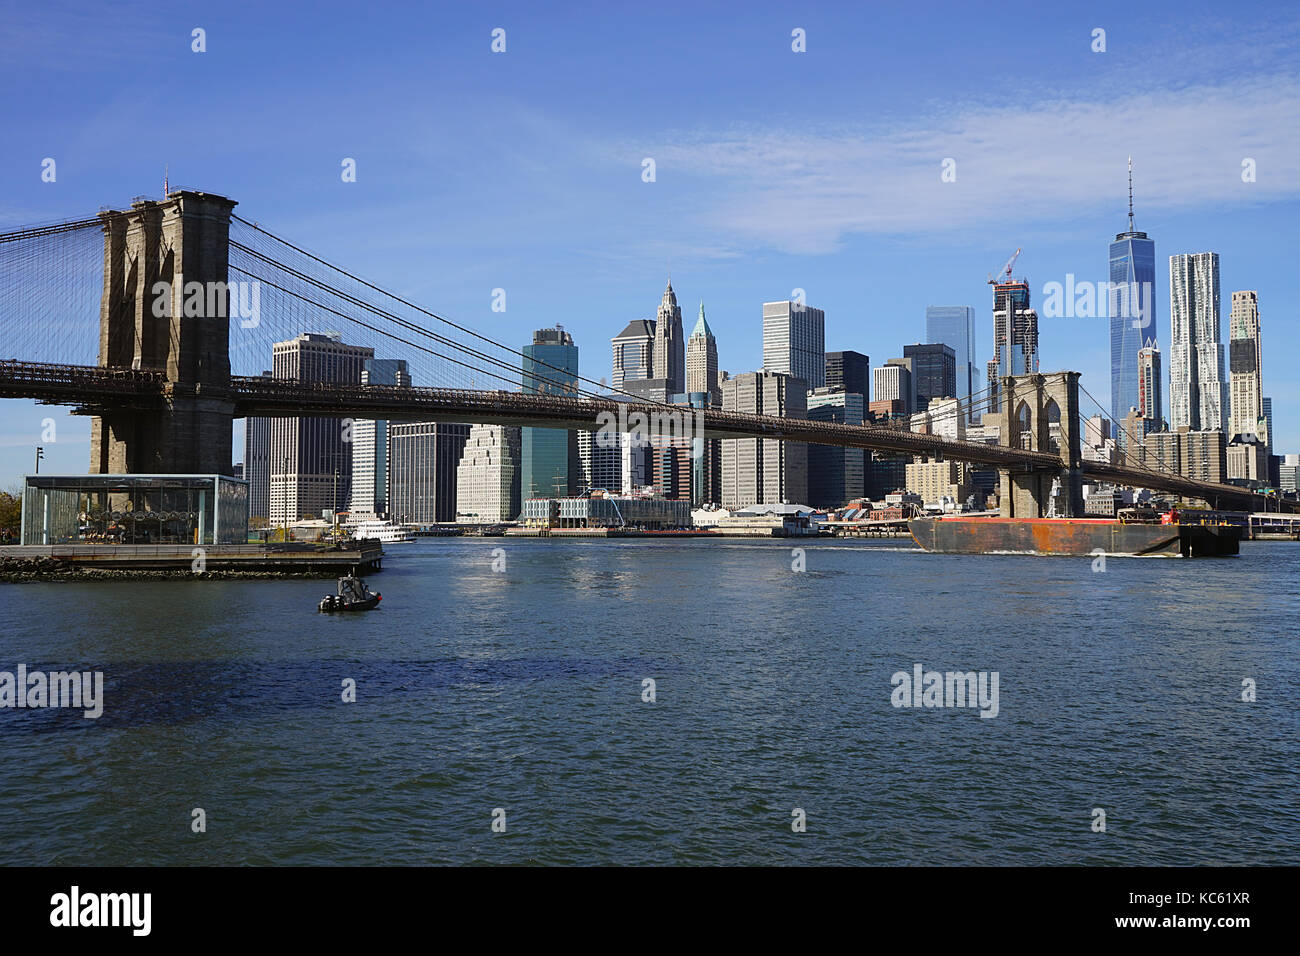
1163 469
513 370
331 289
51 280
389 335
51 229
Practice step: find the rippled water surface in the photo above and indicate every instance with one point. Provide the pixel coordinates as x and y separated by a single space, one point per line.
522 690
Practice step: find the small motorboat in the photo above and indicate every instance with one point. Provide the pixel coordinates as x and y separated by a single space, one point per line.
353 595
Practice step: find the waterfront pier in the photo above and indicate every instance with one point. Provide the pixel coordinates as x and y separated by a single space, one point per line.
21 562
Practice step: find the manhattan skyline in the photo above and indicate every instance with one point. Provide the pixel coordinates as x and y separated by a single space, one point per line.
819 171
678 435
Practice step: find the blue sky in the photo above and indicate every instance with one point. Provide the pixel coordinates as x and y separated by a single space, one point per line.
775 170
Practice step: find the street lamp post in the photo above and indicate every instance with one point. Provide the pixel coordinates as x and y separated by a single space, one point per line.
40 453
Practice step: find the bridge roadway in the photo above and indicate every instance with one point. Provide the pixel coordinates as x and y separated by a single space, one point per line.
94 390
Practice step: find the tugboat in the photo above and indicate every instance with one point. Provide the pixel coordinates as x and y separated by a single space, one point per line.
353 595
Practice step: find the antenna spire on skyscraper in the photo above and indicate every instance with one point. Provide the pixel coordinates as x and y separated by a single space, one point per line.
1130 194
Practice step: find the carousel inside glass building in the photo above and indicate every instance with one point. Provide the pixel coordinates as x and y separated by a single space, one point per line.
134 509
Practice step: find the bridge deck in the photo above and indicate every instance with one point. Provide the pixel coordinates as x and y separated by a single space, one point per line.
92 389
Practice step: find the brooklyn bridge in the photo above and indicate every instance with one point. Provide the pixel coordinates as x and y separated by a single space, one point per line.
94 314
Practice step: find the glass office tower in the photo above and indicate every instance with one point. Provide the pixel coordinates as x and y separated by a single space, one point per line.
934 372
850 372
1132 314
370 442
954 326
549 456
1132 309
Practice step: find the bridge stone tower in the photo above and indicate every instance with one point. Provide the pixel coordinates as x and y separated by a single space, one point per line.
180 240
1031 406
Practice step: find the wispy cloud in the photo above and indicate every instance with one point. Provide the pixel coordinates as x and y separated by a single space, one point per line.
806 190
70 36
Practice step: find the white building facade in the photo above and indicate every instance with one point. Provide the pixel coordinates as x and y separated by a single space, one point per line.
487 478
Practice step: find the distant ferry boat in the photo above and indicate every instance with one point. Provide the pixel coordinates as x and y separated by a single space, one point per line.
388 532
1075 536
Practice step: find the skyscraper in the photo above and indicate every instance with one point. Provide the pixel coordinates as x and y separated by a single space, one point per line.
947 418
1147 415
705 453
1247 462
487 477
1204 454
1131 308
601 462
670 344
954 326
849 371
835 475
422 462
1244 355
1197 392
647 390
893 383
1096 431
549 456
634 352
1015 336
1289 473
794 341
370 442
702 361
1268 424
311 464
1150 403
934 372
1163 451
671 468
764 470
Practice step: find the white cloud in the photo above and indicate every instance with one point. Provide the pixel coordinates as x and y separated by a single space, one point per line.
806 190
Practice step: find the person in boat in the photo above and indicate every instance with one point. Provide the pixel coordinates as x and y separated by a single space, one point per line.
353 595
353 590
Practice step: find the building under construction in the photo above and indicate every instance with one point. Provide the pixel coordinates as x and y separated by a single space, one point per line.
1015 334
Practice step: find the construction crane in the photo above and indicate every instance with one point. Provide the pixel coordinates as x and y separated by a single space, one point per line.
1004 274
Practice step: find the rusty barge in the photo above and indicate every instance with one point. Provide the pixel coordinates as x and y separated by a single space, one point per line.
1074 536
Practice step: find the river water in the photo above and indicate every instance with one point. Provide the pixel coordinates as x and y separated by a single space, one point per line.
516 695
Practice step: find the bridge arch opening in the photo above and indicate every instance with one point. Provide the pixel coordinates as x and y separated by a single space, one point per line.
1024 426
1053 412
